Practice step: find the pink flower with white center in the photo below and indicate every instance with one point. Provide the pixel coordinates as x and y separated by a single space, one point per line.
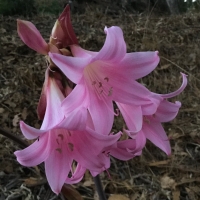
106 76
62 140
149 126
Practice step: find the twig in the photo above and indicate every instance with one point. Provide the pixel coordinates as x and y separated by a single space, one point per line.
179 67
13 137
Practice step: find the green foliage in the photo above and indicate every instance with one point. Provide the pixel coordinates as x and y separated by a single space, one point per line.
17 7
189 5
30 7
50 6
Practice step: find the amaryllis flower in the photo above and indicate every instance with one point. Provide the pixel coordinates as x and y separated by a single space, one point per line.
61 141
106 76
150 126
62 35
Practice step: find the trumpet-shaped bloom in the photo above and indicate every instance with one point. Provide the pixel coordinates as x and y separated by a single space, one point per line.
106 76
60 141
149 126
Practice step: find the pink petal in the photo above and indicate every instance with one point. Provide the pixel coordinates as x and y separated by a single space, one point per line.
154 131
78 98
119 86
65 22
36 153
114 48
72 67
134 94
31 36
140 141
88 145
29 132
57 167
132 116
139 64
102 114
177 92
75 120
106 160
151 107
77 176
167 111
43 101
77 51
128 149
53 114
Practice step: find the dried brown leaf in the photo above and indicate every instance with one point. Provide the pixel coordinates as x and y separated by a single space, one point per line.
118 197
167 182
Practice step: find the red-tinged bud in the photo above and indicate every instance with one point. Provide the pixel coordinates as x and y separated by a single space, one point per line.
65 22
58 37
31 36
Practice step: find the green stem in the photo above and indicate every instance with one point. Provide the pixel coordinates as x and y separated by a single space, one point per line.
99 188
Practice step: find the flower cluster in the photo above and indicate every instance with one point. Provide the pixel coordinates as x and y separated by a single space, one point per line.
80 92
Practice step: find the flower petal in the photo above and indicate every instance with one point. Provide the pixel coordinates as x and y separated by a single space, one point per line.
36 153
77 99
88 145
167 111
77 51
177 92
65 22
106 160
132 116
29 132
119 86
72 67
53 113
127 149
154 131
98 110
31 36
114 48
77 176
75 120
57 168
41 108
139 64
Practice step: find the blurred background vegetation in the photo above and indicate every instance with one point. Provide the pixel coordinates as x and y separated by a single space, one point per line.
32 7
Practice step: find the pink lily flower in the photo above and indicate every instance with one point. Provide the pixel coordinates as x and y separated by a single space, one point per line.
149 126
106 76
61 141
62 35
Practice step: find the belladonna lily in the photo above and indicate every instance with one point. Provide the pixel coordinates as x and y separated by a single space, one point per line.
149 126
106 76
61 140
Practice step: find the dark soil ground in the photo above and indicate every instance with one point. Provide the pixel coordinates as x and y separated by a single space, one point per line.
153 175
